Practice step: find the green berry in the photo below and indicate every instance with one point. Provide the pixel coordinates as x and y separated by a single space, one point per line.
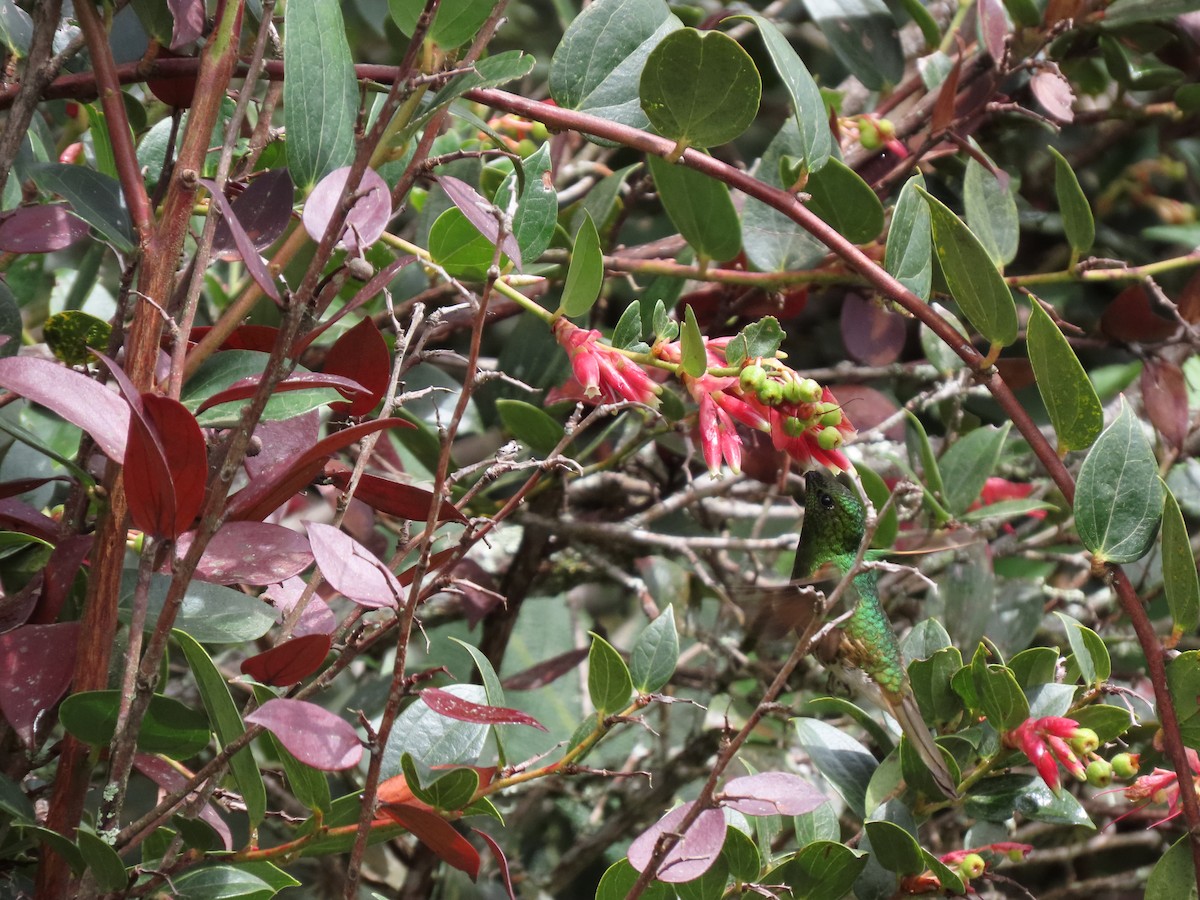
810 391
829 439
771 393
1084 740
539 131
1099 773
972 866
1125 765
752 377
832 418
792 392
793 426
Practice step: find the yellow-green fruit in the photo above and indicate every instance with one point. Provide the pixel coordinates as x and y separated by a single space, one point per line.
1099 773
972 866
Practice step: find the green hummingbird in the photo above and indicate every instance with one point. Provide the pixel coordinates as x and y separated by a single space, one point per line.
833 530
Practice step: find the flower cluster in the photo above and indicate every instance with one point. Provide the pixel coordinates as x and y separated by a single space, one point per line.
602 371
968 864
1162 786
1052 741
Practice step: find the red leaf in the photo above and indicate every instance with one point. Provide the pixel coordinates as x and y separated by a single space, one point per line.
351 569
501 861
40 229
436 561
250 553
438 835
868 407
693 854
166 464
186 454
481 214
994 27
1164 392
161 773
1130 317
873 335
317 617
290 662
189 21
546 672
368 291
943 108
18 516
22 485
244 337
17 608
313 735
246 387
772 794
250 257
1053 93
264 209
37 663
61 568
74 396
282 441
271 490
367 219
446 704
405 501
361 354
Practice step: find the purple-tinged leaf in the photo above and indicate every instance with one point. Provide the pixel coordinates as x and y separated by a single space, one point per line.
405 501
436 561
68 555
873 335
264 209
282 440
694 852
37 663
367 219
361 354
480 213
313 735
290 662
437 834
246 387
74 396
546 672
260 338
189 21
994 27
317 617
18 516
1053 93
446 704
40 229
169 781
17 608
367 292
501 861
23 485
250 553
867 408
1165 396
351 569
254 262
771 794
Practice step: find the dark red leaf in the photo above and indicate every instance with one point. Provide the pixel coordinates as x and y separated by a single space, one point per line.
40 229
361 354
546 672
1164 392
867 408
18 516
37 663
186 454
189 21
873 335
1053 93
250 553
436 561
480 213
290 662
264 209
369 291
351 569
367 219
1189 299
178 91
244 337
1130 317
1057 10
17 608
437 834
501 861
74 396
169 780
246 387
477 588
282 441
772 794
994 27
1016 371
272 489
405 501
692 854
943 108
20 486
446 704
68 555
250 257
310 733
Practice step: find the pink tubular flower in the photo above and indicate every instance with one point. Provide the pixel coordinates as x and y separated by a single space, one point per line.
1045 742
1162 786
603 371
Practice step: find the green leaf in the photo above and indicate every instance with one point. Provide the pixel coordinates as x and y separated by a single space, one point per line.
491 72
973 279
169 727
458 247
450 791
1118 496
700 207
693 356
931 683
94 198
807 104
1173 876
620 878
16 29
227 724
846 763
845 201
1125 12
60 844
319 91
585 276
70 334
1000 697
757 340
1024 12
894 848
530 425
968 464
741 855
1005 509
665 328
609 682
997 799
434 740
1078 224
951 883
455 22
774 242
1109 722
918 441
864 36
1071 401
652 662
598 63
888 525
1180 582
1037 665
220 882
628 332
909 254
700 88
822 870
210 613
102 861
1183 678
1090 653
537 207
991 211
709 886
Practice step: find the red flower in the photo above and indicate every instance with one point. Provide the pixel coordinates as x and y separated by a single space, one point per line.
1162 786
1045 742
601 370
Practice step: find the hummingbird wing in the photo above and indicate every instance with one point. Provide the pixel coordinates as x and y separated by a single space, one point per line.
908 714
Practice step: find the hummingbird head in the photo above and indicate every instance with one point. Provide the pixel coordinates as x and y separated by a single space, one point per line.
834 522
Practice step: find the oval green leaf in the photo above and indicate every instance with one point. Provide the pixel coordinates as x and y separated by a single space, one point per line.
909 254
864 36
652 662
609 683
840 197
530 425
1180 582
700 207
1118 497
894 848
169 727
210 613
458 246
967 465
1070 398
585 276
972 277
102 861
1078 224
991 211
693 356
455 22
700 89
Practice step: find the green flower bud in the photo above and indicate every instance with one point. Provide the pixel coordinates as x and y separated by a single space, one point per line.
752 377
1084 740
792 392
770 392
1125 765
1099 773
539 131
829 439
793 426
810 391
972 866
832 418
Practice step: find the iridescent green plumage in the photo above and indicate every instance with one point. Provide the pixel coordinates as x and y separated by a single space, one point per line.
833 530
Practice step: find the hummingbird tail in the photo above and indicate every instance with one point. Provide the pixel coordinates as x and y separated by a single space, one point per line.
908 714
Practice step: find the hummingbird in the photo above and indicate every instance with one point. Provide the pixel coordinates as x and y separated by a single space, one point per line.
833 529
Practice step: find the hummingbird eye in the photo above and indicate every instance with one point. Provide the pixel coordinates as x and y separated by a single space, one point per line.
827 501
